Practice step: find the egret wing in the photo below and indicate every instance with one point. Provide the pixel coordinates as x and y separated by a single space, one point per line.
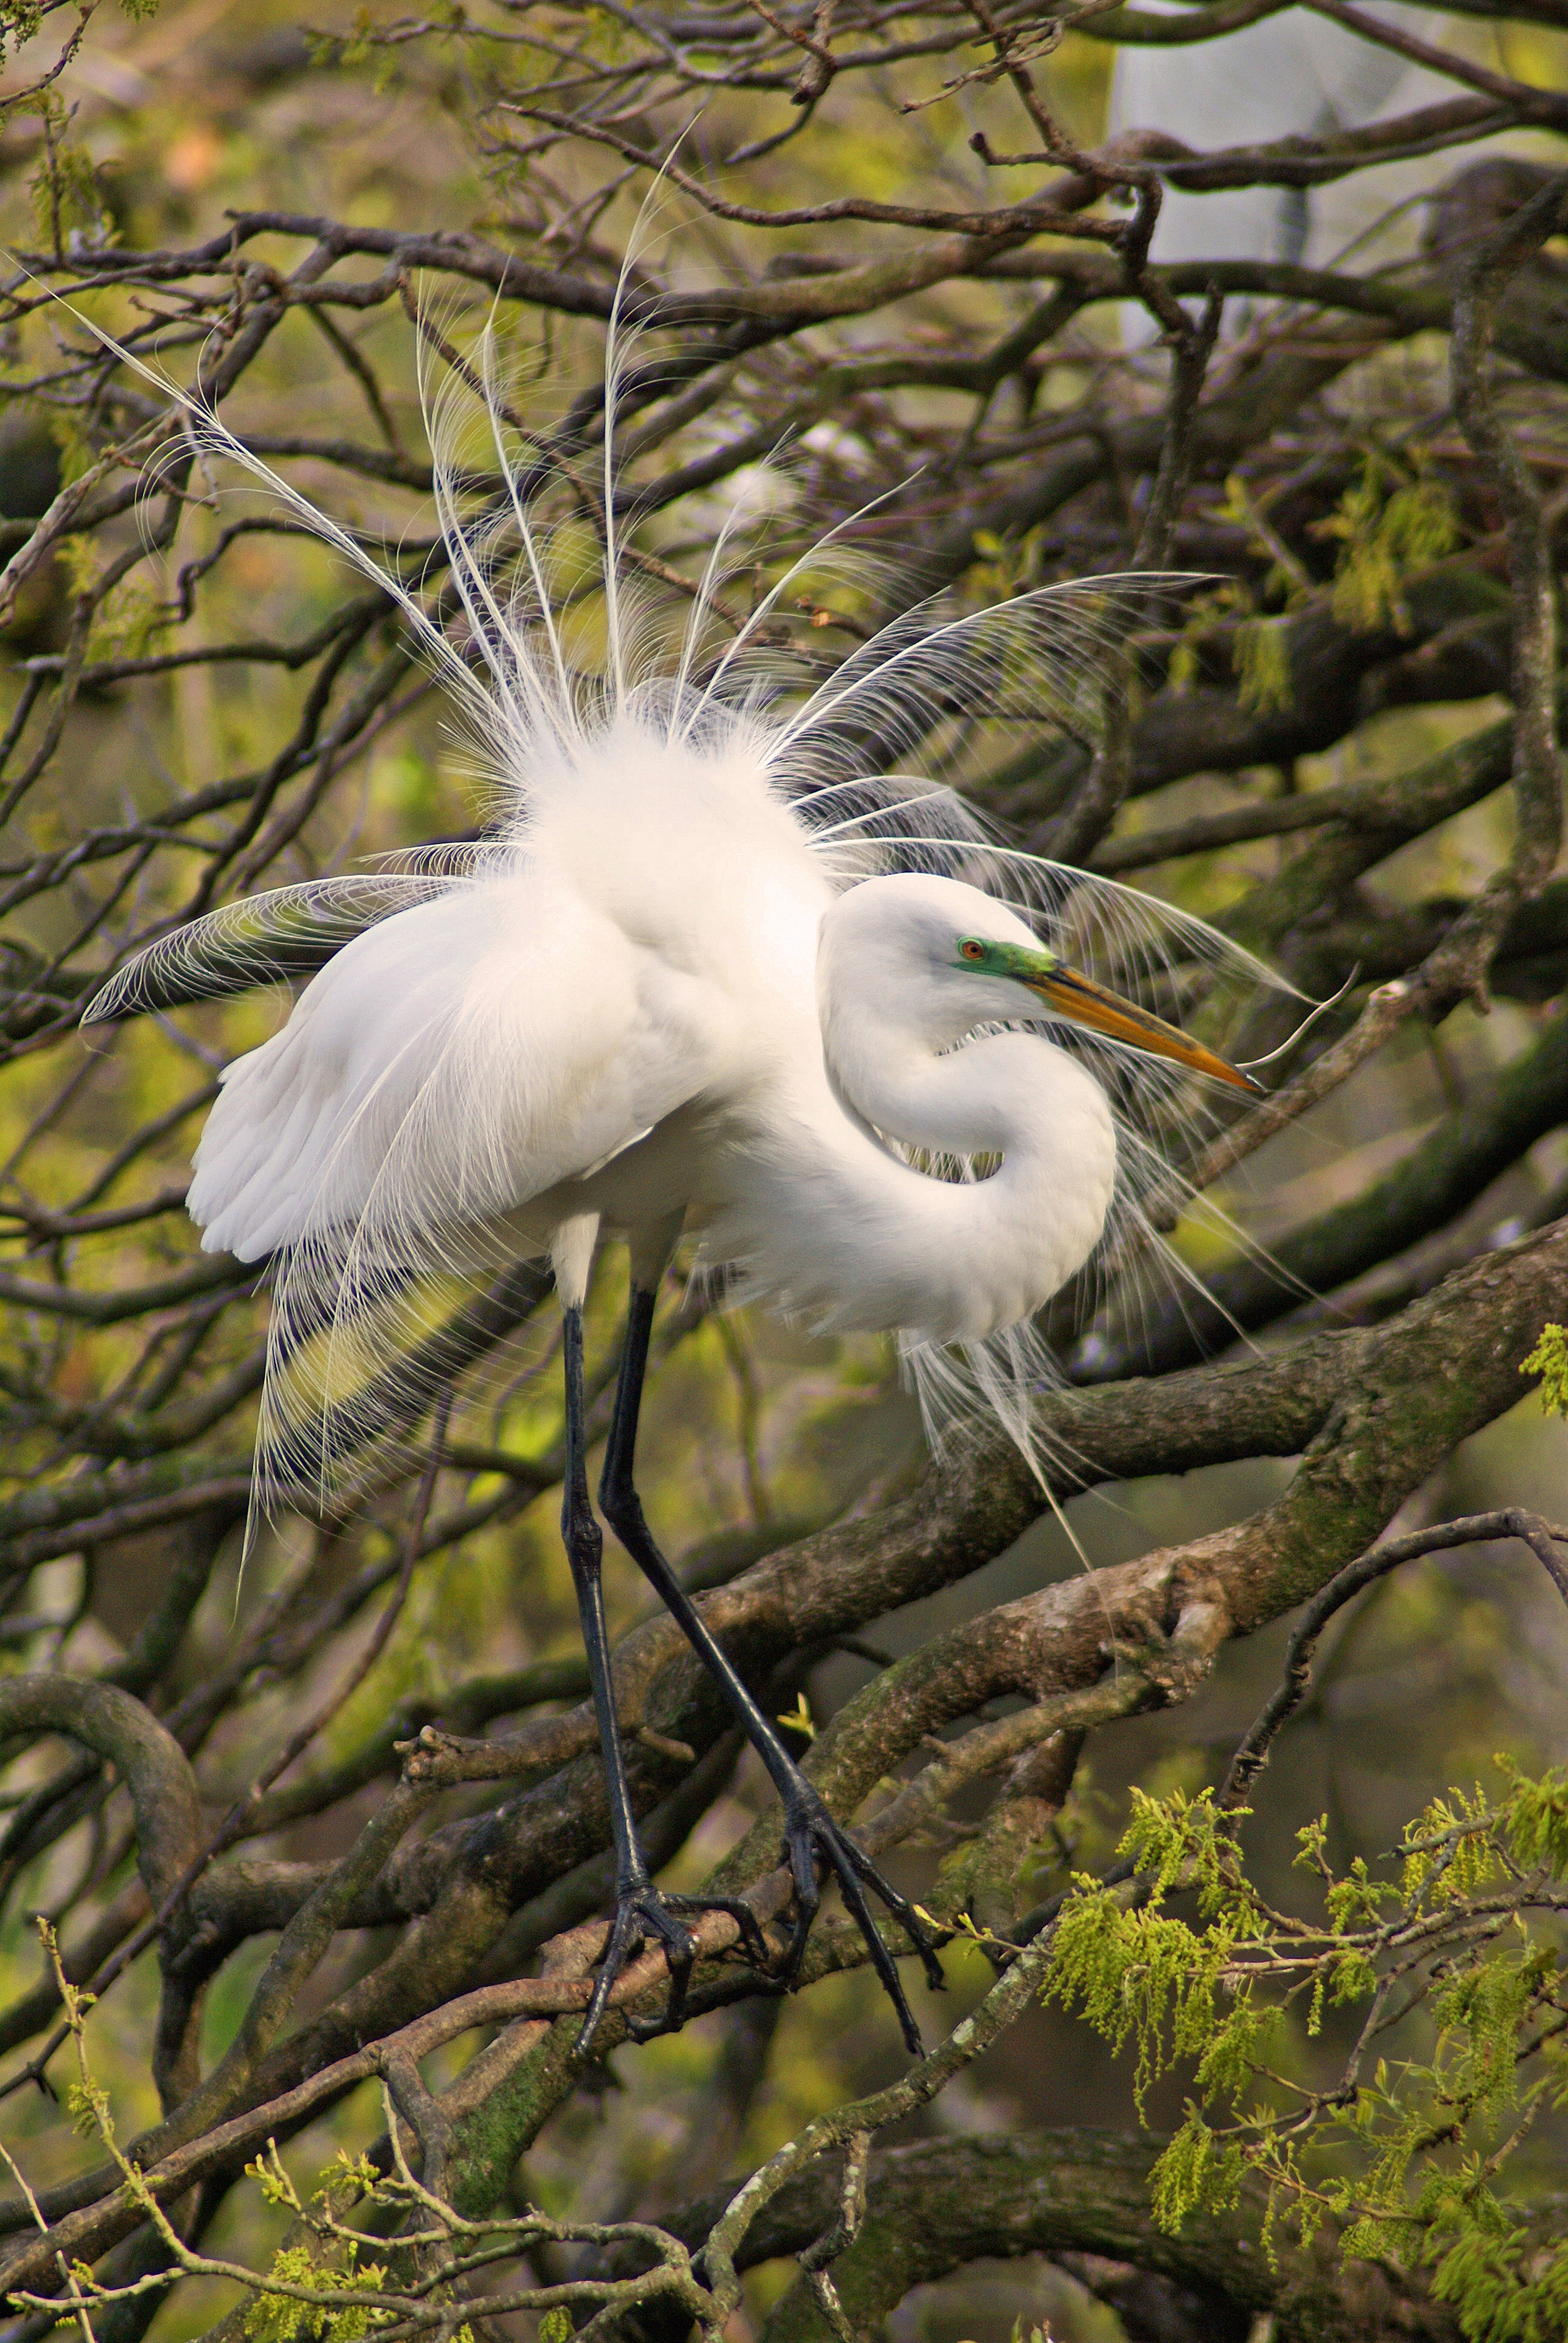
447 1064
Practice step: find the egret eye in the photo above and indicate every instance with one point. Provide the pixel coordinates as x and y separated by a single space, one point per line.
972 949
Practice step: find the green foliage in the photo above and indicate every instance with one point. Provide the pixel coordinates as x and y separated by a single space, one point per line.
1140 1974
1538 1818
19 20
1549 1360
274 2317
1389 522
65 196
1491 2271
1203 612
1460 1942
317 2287
131 616
1007 566
1261 662
88 2104
77 453
1286 580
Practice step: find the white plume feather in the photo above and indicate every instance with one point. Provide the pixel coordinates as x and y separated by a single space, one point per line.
474 1047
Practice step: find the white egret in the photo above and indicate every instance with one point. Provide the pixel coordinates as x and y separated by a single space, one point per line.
703 977
1293 74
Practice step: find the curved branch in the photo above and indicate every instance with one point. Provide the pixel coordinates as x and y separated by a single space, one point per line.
150 1761
936 2205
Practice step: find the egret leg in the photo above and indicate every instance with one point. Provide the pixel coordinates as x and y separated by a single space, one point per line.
641 1911
811 1836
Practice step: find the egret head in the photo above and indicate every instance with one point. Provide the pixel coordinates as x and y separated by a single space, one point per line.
1068 993
944 957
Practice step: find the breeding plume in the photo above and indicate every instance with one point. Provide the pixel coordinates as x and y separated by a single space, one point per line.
711 977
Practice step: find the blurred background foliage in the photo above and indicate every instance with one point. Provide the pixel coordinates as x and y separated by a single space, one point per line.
196 702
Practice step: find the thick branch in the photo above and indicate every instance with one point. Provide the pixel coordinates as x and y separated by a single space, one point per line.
149 1761
936 2205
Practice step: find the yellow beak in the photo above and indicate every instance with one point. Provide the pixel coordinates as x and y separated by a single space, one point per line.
1076 997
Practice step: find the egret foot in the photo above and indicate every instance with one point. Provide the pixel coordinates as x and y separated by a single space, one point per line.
812 1836
644 1914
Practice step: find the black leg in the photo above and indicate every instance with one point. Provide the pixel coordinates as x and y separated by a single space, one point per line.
640 1912
810 1834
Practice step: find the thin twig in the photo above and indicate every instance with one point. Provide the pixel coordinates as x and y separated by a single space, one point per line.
1511 1521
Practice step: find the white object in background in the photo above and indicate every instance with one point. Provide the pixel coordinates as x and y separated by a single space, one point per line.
1294 75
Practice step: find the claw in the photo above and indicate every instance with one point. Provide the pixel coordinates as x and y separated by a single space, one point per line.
644 1912
753 1941
811 1837
640 1912
810 1834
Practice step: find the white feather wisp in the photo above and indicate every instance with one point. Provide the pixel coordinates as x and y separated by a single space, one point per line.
657 732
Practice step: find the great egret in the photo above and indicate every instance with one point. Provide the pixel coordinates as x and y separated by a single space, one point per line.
1292 74
704 976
